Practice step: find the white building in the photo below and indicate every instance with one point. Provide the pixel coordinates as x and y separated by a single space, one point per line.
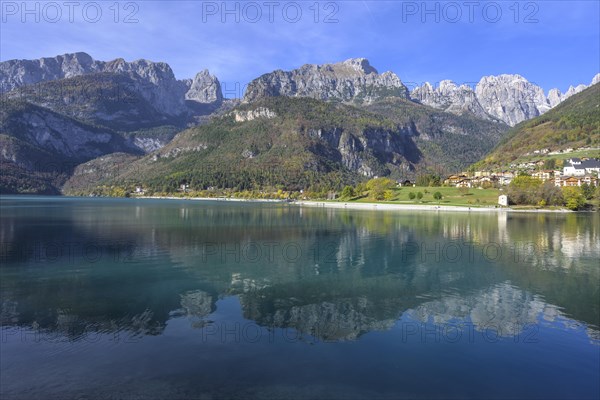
578 167
503 200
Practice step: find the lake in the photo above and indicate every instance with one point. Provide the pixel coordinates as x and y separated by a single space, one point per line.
135 299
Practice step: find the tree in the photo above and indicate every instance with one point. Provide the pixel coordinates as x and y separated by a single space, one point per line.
377 193
550 163
587 191
378 186
428 180
438 196
573 196
411 196
384 183
419 195
347 192
549 194
436 180
360 188
523 190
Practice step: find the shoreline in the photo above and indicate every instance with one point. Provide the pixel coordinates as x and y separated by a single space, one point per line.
420 207
364 206
346 205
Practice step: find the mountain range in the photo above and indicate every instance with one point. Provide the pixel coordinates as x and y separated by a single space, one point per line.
353 80
154 81
323 124
574 123
509 98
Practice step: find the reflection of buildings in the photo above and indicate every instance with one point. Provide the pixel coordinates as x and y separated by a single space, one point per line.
502 231
577 244
362 283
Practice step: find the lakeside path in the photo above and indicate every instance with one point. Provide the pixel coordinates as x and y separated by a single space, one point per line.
367 206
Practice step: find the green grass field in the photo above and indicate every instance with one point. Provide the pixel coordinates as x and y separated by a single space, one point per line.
451 196
564 156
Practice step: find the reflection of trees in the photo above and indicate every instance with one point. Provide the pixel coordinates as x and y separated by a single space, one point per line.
557 238
360 282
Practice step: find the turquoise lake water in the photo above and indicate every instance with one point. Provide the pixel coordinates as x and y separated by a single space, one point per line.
135 299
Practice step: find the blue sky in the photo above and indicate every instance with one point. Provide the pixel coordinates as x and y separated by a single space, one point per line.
551 43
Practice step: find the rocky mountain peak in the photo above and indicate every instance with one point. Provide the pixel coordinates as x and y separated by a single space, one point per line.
204 88
575 89
511 98
353 80
449 97
155 81
555 97
447 86
361 65
508 97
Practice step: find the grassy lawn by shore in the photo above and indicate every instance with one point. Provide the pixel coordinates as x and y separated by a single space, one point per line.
451 196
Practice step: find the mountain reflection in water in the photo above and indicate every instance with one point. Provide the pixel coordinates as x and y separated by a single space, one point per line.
133 265
75 268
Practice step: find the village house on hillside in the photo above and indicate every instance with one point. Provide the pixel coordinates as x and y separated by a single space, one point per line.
575 180
464 183
575 172
543 175
452 180
579 167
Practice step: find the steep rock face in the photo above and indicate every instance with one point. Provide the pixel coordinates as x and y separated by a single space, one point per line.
573 124
363 153
511 98
260 112
94 172
555 97
440 138
39 148
17 73
154 81
352 80
450 97
116 101
58 135
574 90
282 140
204 88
